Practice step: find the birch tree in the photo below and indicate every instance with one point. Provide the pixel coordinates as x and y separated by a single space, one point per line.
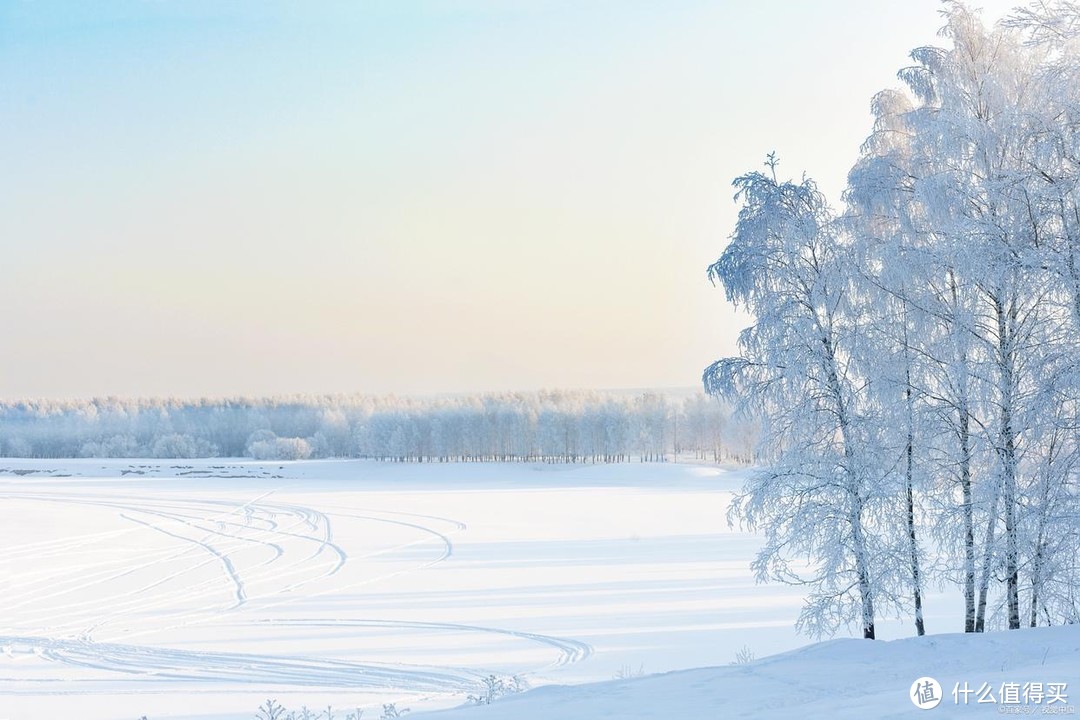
797 375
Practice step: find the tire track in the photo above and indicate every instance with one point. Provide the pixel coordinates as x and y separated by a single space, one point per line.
171 664
570 651
181 513
223 558
224 534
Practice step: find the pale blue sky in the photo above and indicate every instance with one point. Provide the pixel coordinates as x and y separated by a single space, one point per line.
265 197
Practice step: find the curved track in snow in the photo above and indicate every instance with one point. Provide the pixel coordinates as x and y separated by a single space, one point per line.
570 651
211 559
210 533
171 664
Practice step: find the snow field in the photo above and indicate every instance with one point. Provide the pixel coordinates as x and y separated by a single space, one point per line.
178 594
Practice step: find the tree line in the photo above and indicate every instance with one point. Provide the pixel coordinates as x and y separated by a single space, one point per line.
914 358
549 426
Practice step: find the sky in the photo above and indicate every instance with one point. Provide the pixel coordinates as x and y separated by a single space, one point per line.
223 197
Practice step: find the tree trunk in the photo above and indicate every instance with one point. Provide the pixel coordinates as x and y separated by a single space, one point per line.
969 521
862 570
967 509
858 537
916 580
988 556
920 628
1007 448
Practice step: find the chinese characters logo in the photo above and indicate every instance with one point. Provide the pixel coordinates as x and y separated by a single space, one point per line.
925 693
1010 697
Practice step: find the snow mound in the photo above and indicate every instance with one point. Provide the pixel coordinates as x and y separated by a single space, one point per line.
837 679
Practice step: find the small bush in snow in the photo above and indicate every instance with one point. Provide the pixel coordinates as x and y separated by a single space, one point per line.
627 671
390 711
743 656
492 688
270 710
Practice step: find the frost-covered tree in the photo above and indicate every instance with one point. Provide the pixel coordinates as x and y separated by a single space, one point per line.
968 199
956 327
548 426
798 374
176 445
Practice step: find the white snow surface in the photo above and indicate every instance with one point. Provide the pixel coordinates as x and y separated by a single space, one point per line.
187 590
841 679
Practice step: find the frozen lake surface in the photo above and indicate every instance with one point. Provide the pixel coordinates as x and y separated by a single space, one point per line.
198 589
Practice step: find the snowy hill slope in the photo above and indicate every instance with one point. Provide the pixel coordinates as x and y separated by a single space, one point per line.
838 679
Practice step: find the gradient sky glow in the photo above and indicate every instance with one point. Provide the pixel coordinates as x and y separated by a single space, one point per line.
205 197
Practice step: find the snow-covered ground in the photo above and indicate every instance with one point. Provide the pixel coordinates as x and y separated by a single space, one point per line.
1025 672
198 589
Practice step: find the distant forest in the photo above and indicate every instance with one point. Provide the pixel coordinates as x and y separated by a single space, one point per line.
549 426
